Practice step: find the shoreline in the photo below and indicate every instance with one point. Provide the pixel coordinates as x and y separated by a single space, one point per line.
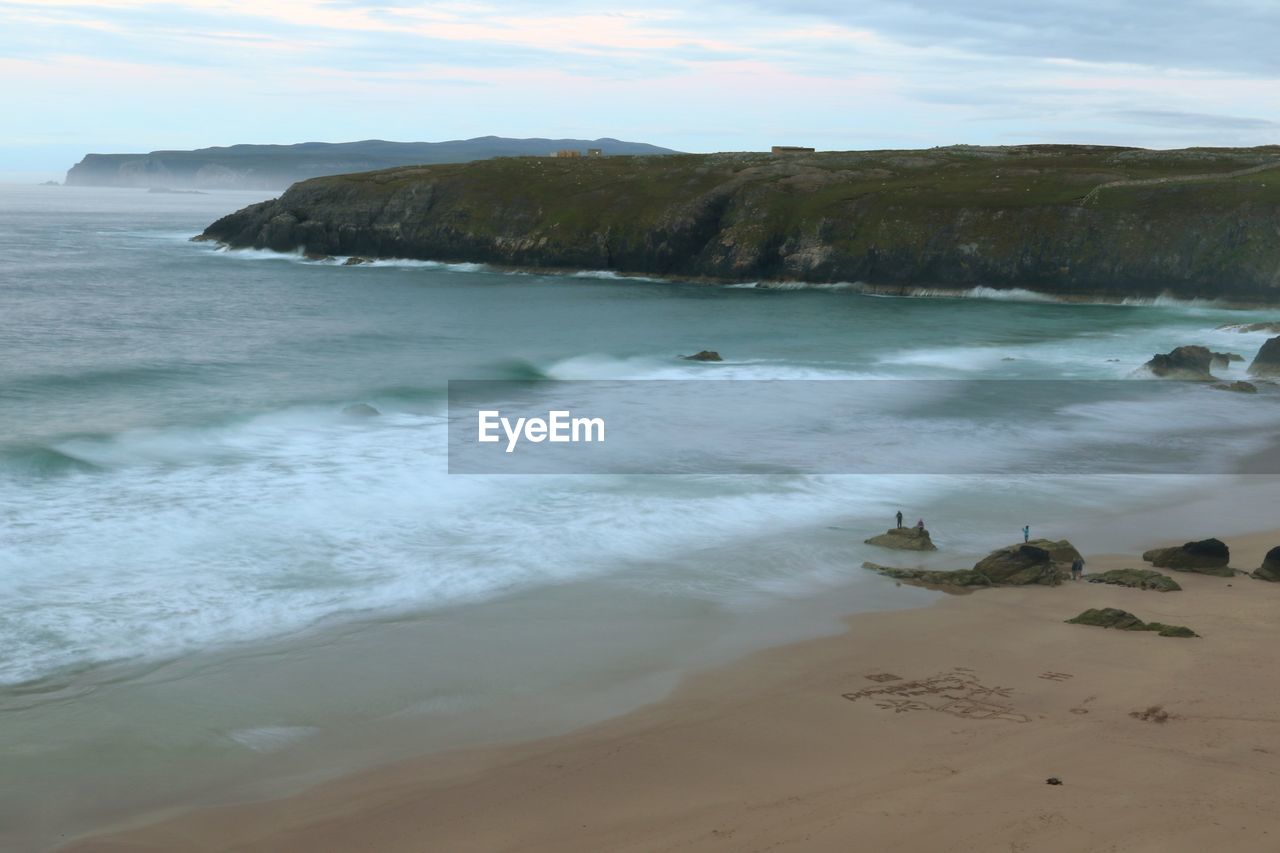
861 288
770 748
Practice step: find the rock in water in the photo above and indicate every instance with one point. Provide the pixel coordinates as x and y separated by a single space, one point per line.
1270 570
1206 557
1188 363
1251 327
355 260
1123 620
703 355
1022 564
1268 361
360 410
1137 578
1239 387
904 539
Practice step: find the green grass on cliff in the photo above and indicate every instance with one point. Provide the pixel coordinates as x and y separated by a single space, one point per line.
574 196
577 193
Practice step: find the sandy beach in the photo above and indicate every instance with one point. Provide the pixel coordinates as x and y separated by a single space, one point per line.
928 729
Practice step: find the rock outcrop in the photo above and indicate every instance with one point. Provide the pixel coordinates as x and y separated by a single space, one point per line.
1206 557
703 355
1225 359
952 581
1038 562
1123 620
1267 362
904 539
1080 221
1270 568
1138 579
1022 564
1193 363
1060 551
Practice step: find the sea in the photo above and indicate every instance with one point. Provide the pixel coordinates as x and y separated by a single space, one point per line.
217 583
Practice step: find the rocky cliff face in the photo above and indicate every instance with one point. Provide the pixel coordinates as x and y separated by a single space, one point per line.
1069 220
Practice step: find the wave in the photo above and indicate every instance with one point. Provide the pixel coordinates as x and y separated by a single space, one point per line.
992 293
43 462
87 378
610 275
1168 300
201 539
1114 352
995 294
797 285
596 366
408 264
297 256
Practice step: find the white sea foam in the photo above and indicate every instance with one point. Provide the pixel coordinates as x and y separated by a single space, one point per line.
610 275
804 285
198 538
271 738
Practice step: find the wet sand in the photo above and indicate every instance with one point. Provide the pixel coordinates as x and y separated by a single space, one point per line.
927 729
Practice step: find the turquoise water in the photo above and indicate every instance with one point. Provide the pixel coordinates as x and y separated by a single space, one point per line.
208 572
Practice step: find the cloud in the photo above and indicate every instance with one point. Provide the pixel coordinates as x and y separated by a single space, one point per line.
1223 35
728 74
1195 121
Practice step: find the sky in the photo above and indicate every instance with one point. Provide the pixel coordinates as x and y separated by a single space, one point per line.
135 75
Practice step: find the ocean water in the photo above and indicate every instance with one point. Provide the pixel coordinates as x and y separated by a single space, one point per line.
215 583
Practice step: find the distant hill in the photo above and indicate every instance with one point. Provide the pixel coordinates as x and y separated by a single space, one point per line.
267 167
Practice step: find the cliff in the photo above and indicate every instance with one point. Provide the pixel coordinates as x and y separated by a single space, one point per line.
278 166
1071 220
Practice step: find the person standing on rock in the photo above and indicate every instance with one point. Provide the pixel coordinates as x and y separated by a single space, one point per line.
899 519
920 525
1026 533
1077 568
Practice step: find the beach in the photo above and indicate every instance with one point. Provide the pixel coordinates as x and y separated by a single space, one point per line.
238 565
819 746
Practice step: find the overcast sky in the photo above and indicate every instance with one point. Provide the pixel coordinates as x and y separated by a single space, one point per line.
135 75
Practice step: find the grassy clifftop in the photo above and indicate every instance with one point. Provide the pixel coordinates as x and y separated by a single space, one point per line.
1062 219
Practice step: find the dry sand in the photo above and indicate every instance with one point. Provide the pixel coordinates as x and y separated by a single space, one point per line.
770 753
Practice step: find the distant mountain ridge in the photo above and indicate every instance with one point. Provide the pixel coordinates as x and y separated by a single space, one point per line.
267 167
